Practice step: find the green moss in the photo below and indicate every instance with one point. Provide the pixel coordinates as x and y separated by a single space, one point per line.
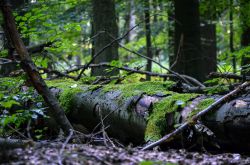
62 83
66 98
87 80
148 87
69 88
156 125
202 105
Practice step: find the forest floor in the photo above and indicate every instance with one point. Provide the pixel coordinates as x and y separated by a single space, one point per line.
57 153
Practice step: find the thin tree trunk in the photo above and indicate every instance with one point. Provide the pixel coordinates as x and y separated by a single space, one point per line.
29 67
231 38
148 36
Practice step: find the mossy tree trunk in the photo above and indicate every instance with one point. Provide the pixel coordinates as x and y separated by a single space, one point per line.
146 111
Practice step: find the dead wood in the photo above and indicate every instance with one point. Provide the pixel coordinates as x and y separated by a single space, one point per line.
228 76
215 105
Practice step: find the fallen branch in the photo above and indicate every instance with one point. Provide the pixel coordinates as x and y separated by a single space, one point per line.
103 49
6 144
182 77
194 119
228 76
58 73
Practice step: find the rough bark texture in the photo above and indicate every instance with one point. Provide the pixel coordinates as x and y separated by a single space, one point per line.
31 70
124 123
104 24
148 36
208 45
128 118
187 25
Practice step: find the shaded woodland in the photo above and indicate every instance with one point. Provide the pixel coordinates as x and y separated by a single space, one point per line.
82 78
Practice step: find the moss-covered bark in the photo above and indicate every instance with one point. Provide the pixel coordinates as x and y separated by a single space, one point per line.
146 111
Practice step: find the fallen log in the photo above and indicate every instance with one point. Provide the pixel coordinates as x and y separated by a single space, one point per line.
146 111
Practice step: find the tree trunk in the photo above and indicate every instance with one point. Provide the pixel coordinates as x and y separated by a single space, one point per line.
187 25
208 45
231 37
148 36
245 36
135 112
104 25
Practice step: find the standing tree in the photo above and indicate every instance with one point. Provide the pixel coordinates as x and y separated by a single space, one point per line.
245 36
148 36
104 29
188 56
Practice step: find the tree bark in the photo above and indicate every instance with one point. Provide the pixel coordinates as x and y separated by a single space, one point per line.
127 117
245 36
148 36
29 67
187 25
104 25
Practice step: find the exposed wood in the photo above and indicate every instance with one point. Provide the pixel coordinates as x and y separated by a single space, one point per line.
29 67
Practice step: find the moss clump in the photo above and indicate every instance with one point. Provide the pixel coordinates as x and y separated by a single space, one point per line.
156 125
66 98
62 83
69 89
133 89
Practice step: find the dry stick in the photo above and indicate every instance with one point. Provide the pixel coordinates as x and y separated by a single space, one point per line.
29 67
179 51
228 75
194 119
191 79
59 74
103 49
182 77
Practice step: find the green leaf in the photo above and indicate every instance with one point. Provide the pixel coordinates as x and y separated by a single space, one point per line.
9 104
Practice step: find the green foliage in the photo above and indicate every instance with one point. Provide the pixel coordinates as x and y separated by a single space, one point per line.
18 104
67 96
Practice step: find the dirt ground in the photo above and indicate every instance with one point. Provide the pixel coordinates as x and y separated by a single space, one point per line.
74 154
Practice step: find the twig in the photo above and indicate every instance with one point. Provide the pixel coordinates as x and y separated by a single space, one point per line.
63 146
59 74
159 64
194 119
19 133
179 51
104 48
191 79
228 75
